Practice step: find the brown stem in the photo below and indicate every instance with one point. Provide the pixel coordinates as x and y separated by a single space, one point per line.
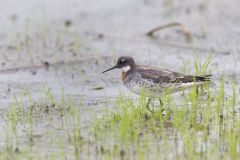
183 28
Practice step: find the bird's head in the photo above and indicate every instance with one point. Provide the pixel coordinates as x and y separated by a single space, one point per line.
125 63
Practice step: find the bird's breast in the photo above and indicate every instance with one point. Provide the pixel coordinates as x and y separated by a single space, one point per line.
136 84
124 76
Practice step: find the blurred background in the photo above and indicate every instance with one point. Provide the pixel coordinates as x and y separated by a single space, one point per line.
36 31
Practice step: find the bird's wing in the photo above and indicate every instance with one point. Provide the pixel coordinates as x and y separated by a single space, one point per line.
161 75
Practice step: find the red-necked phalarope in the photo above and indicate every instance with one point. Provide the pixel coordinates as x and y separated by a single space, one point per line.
153 81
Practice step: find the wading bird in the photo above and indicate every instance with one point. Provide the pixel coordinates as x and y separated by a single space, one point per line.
153 81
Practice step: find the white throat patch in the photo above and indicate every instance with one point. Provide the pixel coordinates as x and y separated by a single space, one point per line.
126 68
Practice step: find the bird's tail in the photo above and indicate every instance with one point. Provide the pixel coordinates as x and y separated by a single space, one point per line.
203 78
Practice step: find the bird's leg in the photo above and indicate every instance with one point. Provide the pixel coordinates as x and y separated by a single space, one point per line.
160 101
161 105
148 103
197 91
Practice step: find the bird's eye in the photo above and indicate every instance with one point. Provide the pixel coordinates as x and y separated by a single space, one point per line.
122 61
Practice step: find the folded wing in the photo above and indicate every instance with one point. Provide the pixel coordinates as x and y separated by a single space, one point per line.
160 75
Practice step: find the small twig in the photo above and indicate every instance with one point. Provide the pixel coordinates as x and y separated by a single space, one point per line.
46 64
183 28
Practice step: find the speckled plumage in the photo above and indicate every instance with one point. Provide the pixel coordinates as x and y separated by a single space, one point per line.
153 81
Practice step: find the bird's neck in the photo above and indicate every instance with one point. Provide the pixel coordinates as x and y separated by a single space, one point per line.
125 70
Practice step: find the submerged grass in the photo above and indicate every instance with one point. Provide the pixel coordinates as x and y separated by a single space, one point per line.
199 126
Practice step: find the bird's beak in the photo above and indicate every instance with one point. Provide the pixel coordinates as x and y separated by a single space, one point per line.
110 69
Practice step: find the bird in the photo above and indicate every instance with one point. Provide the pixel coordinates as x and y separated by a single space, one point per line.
154 81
